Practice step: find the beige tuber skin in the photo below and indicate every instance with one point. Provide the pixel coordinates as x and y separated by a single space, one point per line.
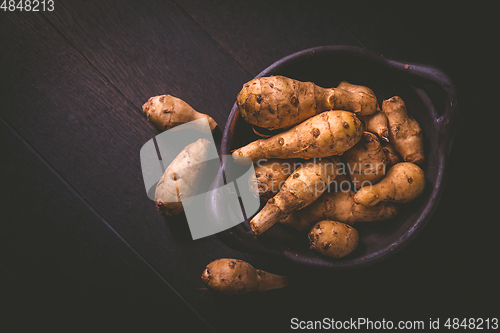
272 174
375 122
334 239
237 277
181 178
304 186
327 134
342 182
358 89
404 131
339 206
366 161
378 124
391 153
403 183
279 102
166 111
355 98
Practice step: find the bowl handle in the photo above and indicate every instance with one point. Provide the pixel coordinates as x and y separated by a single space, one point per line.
449 123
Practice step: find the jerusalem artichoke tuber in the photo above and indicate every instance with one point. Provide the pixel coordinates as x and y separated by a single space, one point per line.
404 132
366 161
403 183
272 174
338 206
333 238
304 186
329 133
166 111
378 124
391 153
181 178
279 102
237 277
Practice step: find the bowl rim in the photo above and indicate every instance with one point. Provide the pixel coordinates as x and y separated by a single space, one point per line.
446 124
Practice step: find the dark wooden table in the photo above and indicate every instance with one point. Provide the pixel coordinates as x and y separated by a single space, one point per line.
83 248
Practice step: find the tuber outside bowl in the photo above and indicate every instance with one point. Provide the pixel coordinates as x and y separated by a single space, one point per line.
429 96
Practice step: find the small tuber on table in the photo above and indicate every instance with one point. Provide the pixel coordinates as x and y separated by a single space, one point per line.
166 112
182 177
237 277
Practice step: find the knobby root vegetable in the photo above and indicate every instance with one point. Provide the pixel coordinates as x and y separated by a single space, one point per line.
333 238
329 133
237 277
358 99
339 206
377 124
181 178
391 153
404 131
366 161
166 111
358 89
279 102
272 174
403 183
300 189
342 181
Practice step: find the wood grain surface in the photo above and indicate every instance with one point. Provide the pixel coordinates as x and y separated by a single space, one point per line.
59 251
80 242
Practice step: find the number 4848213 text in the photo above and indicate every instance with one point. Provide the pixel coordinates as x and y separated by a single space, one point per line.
27 5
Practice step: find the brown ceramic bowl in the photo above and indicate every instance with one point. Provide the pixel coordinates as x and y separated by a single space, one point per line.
429 96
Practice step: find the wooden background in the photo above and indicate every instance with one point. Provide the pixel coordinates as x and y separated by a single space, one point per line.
83 248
